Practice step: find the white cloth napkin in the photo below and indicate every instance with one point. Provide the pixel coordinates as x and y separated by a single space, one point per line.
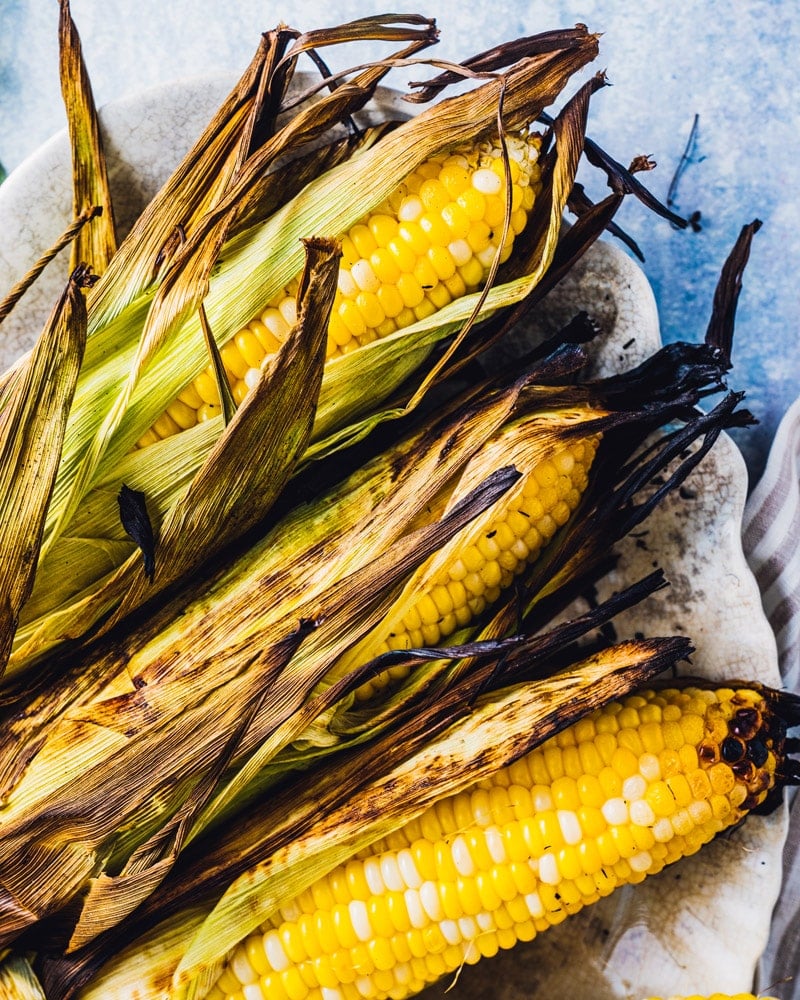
771 538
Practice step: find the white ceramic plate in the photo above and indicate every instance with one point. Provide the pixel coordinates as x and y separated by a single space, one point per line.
699 926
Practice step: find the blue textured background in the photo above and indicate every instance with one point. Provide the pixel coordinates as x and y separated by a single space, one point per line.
735 65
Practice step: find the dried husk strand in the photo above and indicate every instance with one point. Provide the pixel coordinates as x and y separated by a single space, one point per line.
245 119
96 243
12 297
92 233
32 427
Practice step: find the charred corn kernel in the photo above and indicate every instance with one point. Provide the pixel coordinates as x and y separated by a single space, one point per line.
498 863
435 225
481 562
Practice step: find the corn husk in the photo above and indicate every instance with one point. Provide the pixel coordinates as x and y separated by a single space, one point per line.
255 651
266 439
32 427
18 980
176 760
96 243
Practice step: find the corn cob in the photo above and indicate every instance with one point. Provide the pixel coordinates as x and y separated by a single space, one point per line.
472 571
608 801
433 240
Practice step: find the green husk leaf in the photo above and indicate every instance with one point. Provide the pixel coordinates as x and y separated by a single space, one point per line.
96 242
32 425
240 478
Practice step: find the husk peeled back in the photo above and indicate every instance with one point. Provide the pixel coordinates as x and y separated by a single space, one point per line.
239 478
96 242
298 836
32 428
18 980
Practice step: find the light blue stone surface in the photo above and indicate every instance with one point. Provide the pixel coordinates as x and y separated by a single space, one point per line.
736 65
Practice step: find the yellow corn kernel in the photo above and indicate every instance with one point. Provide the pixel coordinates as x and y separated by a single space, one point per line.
717 996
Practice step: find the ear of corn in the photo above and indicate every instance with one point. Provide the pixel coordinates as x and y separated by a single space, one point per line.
468 575
308 828
433 240
616 797
515 540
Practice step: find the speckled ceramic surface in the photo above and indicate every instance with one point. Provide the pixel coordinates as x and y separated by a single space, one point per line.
697 927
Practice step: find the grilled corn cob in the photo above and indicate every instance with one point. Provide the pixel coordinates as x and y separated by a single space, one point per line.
432 241
470 573
610 800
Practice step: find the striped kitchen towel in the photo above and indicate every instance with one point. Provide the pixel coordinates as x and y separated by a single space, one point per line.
771 538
